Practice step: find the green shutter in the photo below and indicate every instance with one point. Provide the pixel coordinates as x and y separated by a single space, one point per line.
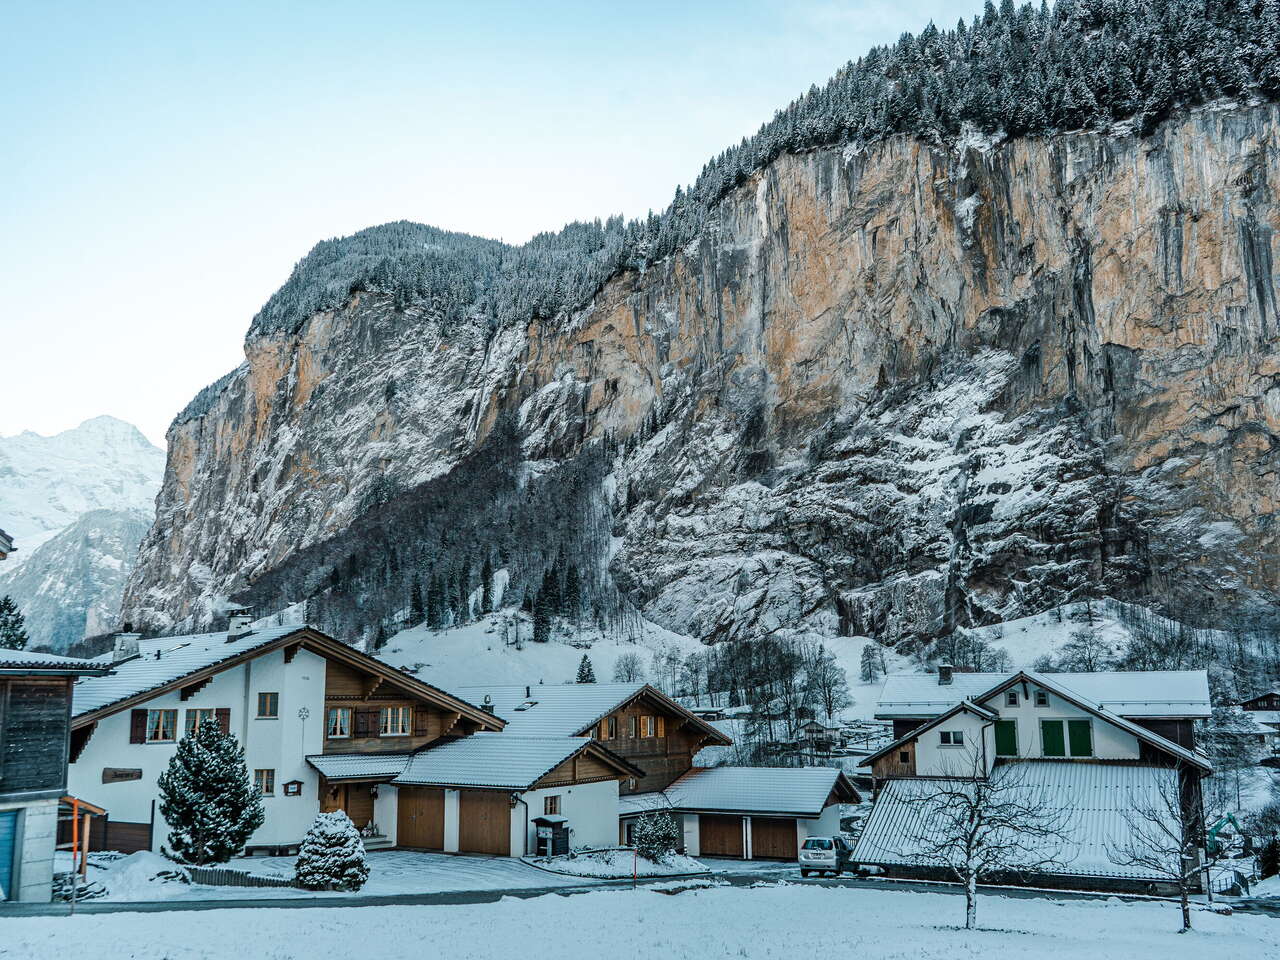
1051 738
1006 738
1080 733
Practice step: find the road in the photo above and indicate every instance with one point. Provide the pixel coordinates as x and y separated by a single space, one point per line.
741 878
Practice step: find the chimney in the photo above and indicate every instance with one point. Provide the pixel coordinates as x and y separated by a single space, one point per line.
487 706
238 624
526 693
126 644
944 674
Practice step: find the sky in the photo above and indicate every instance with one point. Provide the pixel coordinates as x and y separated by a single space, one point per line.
163 165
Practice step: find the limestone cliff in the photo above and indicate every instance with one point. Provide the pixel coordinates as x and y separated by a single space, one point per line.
886 391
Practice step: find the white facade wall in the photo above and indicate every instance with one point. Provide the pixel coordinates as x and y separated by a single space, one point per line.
33 854
1109 741
590 808
691 834
935 759
385 811
827 825
452 806
279 744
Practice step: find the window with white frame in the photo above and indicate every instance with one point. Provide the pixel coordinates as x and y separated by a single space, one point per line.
952 738
551 805
265 781
162 726
1011 698
395 721
1042 698
338 726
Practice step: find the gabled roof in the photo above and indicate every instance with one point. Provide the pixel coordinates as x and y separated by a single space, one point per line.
1155 693
501 760
168 663
964 706
1094 797
784 791
47 664
572 709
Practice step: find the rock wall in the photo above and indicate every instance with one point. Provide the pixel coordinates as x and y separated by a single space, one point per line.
887 391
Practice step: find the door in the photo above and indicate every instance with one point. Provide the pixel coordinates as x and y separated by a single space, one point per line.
420 817
773 838
1006 738
8 849
1052 742
484 822
720 836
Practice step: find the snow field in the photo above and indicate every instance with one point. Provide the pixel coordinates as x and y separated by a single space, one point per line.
767 922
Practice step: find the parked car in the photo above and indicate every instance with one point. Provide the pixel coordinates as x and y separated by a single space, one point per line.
824 855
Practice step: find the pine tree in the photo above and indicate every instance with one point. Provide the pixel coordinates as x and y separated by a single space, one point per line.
486 585
207 799
656 836
870 665
332 856
586 672
571 602
417 607
13 626
541 618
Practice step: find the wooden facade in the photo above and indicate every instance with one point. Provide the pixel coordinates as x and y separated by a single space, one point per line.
900 762
35 730
773 838
665 755
721 836
366 695
484 822
420 818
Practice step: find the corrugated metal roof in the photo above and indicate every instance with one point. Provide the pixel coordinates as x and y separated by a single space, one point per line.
505 760
347 766
163 660
1156 693
552 710
799 791
34 660
1094 796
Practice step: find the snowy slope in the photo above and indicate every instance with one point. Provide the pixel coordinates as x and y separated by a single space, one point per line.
47 483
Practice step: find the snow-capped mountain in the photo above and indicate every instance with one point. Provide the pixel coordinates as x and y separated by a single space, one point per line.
47 483
70 586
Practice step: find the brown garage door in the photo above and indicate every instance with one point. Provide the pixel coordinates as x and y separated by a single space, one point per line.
420 818
773 838
484 822
720 836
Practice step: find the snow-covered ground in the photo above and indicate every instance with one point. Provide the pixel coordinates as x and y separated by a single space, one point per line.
768 921
618 862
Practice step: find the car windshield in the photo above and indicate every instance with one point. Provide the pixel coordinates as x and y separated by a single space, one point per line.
817 843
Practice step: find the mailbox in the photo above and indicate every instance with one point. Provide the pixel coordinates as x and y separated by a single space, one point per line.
552 833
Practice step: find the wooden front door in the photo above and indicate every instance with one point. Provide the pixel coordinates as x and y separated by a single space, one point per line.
420 818
353 799
773 838
720 836
484 822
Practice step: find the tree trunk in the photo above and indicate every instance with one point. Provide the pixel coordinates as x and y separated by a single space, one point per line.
971 901
1186 909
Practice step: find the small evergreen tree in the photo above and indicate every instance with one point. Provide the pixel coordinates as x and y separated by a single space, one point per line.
571 601
332 855
13 626
586 672
870 664
207 799
417 607
486 585
657 835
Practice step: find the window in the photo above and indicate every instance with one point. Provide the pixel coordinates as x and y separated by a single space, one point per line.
197 716
1011 698
1080 738
162 726
268 706
551 805
339 725
647 726
904 756
265 781
633 726
1006 738
631 783
1042 698
609 728
394 721
817 843
953 738
1077 741
1052 742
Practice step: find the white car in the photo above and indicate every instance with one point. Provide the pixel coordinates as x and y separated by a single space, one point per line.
824 855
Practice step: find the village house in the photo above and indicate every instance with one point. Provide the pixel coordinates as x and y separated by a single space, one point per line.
6 545
35 700
1264 710
1097 743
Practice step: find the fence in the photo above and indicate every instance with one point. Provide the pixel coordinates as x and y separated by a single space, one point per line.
226 877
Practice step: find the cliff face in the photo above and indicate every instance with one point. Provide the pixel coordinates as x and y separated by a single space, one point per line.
886 392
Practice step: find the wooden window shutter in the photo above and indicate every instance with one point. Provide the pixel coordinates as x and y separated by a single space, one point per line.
662 726
421 721
137 726
223 716
604 730
366 723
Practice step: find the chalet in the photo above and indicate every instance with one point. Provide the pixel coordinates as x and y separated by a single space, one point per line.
35 700
1270 700
1093 741
1264 710
6 545
745 812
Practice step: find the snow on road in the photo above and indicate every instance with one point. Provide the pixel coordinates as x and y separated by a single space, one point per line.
770 923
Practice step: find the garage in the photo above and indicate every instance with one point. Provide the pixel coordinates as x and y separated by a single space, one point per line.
720 836
484 822
8 846
773 838
420 818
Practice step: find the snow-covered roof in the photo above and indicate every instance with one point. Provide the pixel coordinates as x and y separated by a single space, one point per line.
501 760
34 660
1156 693
553 709
359 766
166 659
791 791
1093 796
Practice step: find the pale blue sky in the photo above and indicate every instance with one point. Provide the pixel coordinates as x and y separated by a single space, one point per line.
163 165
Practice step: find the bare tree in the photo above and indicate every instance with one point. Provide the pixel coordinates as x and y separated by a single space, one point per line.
1166 837
828 681
977 825
628 668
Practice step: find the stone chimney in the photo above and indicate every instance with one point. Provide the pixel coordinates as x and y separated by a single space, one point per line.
126 644
238 624
945 670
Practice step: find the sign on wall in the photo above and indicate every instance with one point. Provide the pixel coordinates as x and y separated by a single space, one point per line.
119 774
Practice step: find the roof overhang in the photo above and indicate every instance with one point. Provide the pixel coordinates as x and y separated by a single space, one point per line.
964 706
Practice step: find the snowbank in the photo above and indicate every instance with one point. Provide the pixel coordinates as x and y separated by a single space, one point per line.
617 863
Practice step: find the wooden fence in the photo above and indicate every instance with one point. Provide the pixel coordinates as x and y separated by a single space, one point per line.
227 877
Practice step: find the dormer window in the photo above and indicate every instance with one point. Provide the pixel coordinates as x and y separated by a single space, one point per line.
527 704
1011 698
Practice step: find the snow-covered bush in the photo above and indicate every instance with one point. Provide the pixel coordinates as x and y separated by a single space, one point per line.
657 835
332 855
